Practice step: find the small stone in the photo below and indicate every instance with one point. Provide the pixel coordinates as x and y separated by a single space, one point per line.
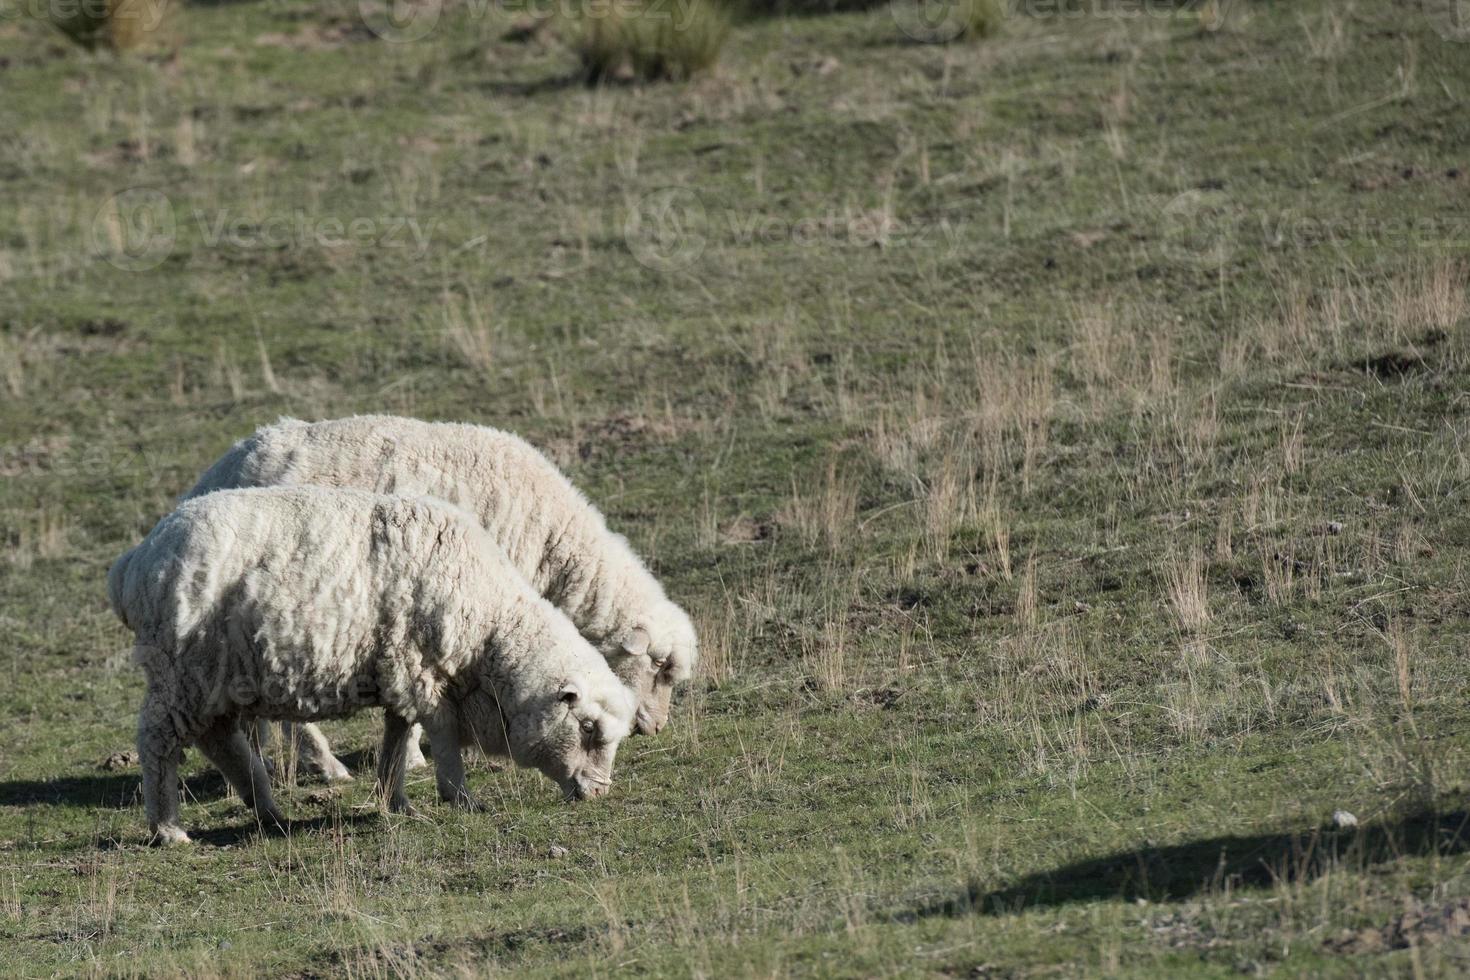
1334 527
119 760
1343 820
557 851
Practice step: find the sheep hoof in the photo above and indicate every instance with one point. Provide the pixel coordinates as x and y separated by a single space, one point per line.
403 807
468 803
169 835
335 772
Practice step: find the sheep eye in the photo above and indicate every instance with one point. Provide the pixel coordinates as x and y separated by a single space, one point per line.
588 726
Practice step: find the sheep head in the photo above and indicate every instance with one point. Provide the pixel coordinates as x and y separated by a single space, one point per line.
651 657
573 736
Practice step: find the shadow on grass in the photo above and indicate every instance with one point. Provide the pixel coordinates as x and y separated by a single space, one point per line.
251 830
1179 871
117 791
121 790
521 89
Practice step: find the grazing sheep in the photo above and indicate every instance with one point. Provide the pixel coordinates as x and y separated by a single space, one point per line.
301 604
554 536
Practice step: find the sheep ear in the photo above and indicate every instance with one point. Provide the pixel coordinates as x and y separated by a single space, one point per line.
568 694
635 642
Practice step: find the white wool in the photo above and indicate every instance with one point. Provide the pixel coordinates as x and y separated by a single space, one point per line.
309 603
553 535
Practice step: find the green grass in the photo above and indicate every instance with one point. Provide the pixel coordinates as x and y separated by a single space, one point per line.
648 41
1060 440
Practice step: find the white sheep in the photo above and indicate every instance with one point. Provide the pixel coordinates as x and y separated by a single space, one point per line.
310 603
554 536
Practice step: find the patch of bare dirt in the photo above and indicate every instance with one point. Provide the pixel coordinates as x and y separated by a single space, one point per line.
747 530
615 435
1420 926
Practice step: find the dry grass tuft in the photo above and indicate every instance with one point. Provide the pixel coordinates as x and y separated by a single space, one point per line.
1291 443
1028 603
226 371
1433 299
825 655
1403 668
648 42
829 512
725 639
1278 572
12 368
1186 590
119 25
1012 410
42 534
949 499
469 333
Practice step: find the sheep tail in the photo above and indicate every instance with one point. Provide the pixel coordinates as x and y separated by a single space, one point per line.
116 583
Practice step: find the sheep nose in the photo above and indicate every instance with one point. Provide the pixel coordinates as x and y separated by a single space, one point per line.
587 789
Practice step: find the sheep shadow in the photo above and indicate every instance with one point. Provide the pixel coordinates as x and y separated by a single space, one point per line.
119 791
234 835
115 791
1179 871
513 88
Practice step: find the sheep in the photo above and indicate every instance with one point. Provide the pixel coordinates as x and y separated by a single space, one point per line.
308 603
554 536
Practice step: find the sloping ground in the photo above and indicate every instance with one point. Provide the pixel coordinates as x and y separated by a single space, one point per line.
1062 441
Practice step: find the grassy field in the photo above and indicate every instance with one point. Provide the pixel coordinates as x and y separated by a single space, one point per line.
1062 440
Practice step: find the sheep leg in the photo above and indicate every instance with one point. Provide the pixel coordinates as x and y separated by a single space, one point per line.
415 758
392 762
227 747
159 751
448 764
259 732
313 752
